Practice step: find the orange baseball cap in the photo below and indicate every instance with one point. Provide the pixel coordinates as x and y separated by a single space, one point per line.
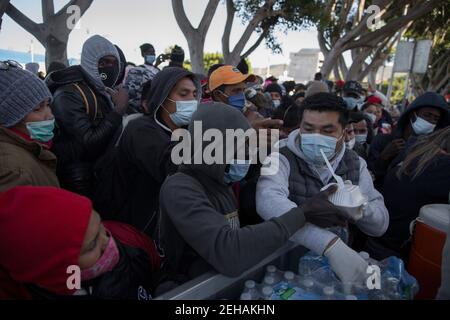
227 75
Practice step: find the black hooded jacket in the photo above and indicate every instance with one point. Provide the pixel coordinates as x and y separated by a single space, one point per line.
83 135
129 190
377 165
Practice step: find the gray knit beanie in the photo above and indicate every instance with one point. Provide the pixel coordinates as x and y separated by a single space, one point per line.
20 92
315 87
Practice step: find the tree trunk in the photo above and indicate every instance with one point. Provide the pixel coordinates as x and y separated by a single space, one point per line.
330 61
3 5
56 51
195 36
196 51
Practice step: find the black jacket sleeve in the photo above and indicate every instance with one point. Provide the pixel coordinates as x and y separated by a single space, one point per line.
375 164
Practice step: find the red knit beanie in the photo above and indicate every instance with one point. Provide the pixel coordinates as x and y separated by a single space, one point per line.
41 235
374 100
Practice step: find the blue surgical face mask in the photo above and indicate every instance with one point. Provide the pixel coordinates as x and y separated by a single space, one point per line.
353 103
238 170
361 138
185 110
422 126
311 144
237 101
41 131
150 59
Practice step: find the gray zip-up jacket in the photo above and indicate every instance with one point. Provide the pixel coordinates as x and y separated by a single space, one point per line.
200 227
272 198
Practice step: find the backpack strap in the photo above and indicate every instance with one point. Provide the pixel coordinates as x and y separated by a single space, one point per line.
93 113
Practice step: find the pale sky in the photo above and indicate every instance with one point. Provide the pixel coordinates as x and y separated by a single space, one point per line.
129 23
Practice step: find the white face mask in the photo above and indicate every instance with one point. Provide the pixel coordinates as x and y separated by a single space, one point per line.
422 126
350 144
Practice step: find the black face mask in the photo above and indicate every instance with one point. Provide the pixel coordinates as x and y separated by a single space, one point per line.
109 75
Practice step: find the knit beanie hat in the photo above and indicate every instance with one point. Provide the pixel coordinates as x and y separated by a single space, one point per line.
316 87
42 231
20 92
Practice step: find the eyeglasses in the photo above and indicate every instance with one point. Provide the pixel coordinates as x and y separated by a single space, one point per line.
5 65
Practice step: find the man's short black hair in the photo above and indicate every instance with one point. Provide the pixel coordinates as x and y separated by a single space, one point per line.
318 76
213 68
146 46
356 116
326 102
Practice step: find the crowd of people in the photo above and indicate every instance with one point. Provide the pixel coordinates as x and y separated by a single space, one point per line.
87 177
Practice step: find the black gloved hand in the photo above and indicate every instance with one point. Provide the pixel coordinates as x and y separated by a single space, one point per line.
319 211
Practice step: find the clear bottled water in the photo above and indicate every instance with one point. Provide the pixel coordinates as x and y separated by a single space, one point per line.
246 296
328 293
266 293
251 289
391 289
272 271
289 278
269 281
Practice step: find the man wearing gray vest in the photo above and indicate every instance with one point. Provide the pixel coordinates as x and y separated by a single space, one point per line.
302 172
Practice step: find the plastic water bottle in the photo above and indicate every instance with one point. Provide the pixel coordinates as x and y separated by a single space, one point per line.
304 268
307 285
328 293
289 278
376 295
250 288
272 271
269 281
266 293
392 289
246 296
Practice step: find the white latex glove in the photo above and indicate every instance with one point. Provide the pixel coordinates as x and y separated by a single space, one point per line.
347 263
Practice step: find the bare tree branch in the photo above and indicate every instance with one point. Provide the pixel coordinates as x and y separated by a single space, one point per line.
48 10
82 4
260 15
25 22
261 37
394 25
3 5
231 11
207 17
195 36
181 17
